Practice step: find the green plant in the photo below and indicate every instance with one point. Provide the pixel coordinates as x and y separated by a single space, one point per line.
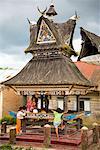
10 120
89 120
6 147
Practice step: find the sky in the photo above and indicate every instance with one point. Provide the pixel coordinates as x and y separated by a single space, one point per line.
14 27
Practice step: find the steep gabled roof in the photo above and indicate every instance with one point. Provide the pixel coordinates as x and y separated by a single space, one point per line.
90 45
63 33
49 71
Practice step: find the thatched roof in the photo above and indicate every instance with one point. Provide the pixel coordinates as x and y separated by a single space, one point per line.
90 45
63 33
50 64
49 71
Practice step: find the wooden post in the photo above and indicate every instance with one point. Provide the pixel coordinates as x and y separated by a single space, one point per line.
12 135
95 133
99 130
84 138
4 127
77 101
24 125
47 135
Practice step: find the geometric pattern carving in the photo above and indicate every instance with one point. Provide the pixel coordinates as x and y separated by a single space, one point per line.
45 35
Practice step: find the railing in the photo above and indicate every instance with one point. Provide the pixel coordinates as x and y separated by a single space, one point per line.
89 136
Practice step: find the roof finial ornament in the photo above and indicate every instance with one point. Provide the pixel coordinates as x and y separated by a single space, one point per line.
51 11
52 2
42 12
75 17
28 21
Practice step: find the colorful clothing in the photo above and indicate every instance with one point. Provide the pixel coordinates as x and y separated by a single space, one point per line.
57 119
29 104
18 126
20 116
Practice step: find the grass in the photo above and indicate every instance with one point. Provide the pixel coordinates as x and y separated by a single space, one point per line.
10 147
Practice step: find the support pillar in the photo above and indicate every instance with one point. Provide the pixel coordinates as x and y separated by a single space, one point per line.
47 136
12 135
84 138
4 127
77 103
95 133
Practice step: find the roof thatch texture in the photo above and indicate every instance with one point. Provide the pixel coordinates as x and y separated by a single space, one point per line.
49 71
63 32
90 45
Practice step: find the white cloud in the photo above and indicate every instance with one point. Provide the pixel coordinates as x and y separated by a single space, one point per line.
17 60
94 26
14 29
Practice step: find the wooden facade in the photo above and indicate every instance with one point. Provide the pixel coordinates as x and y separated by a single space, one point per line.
9 101
89 65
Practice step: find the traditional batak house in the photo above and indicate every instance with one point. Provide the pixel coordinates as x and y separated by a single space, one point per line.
51 76
89 65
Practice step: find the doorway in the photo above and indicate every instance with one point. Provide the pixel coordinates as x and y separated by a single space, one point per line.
81 105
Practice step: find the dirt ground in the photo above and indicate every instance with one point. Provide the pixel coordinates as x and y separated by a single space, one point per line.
39 146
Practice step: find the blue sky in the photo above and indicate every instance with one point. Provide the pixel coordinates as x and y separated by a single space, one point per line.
14 28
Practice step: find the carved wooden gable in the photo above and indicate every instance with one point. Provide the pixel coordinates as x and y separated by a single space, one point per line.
45 35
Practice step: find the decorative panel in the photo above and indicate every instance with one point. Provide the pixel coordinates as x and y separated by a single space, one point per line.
45 34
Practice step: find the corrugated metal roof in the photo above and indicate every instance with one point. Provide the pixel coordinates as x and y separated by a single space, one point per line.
90 71
6 74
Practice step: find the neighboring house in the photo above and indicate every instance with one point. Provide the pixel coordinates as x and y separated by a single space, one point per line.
51 72
91 100
89 65
9 100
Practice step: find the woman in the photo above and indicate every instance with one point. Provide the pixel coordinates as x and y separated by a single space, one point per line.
20 116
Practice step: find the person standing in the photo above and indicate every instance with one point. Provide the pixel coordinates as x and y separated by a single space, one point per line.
20 116
58 120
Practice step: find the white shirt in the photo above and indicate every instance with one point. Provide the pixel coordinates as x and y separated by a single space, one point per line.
20 115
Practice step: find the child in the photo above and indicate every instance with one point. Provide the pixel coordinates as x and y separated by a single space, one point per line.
20 116
58 120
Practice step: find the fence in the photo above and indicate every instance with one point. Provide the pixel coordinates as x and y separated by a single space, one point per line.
89 137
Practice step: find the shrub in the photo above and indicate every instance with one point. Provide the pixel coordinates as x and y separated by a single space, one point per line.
6 147
89 120
10 120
